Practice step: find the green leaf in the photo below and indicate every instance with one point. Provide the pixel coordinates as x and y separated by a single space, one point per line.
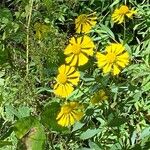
1 99
77 126
94 146
24 111
109 32
5 13
114 121
49 115
23 126
145 133
35 139
30 129
5 143
89 133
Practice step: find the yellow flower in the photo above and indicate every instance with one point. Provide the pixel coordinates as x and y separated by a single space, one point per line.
84 23
41 30
119 14
66 78
70 113
115 58
78 50
99 97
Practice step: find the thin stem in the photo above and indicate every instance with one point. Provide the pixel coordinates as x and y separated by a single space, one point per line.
27 38
124 30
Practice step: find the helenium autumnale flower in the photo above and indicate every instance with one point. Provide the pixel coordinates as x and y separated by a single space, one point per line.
66 79
78 50
99 97
113 59
119 14
84 23
70 113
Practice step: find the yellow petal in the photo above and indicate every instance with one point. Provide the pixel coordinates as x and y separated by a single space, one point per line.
82 59
115 70
131 13
87 42
123 58
117 48
72 40
67 122
77 115
78 28
69 59
68 89
88 51
86 28
101 59
76 74
71 70
61 69
74 61
62 121
107 68
74 81
59 90
121 19
68 49
72 120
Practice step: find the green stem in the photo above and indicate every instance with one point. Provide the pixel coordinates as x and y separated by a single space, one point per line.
27 38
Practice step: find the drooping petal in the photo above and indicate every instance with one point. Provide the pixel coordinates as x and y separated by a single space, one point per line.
121 19
69 114
68 89
82 59
69 58
59 90
74 60
117 48
61 69
107 68
116 70
101 59
87 42
74 75
124 58
68 49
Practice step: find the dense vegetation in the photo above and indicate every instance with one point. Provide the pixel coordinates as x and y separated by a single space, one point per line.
65 85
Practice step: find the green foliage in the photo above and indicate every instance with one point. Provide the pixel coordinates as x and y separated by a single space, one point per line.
28 106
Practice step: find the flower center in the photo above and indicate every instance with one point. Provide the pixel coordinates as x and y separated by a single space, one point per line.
67 109
76 49
62 78
123 10
83 18
111 57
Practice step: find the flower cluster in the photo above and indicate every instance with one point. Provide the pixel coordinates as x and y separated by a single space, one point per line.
80 48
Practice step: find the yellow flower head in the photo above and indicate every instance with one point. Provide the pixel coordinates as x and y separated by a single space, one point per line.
119 14
70 113
78 50
84 23
66 78
99 97
41 30
115 58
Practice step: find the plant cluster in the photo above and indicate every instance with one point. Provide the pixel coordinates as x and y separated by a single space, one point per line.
74 75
